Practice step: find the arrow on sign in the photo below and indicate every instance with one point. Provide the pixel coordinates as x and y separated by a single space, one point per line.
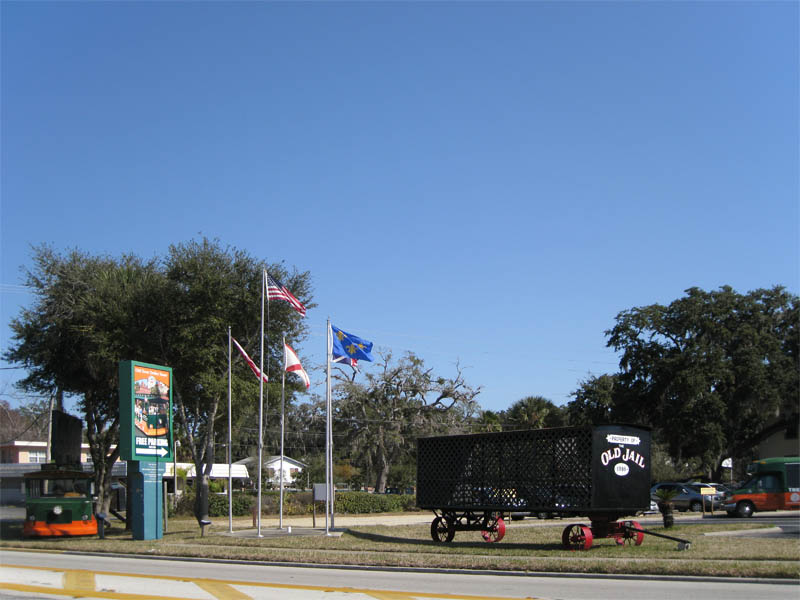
160 451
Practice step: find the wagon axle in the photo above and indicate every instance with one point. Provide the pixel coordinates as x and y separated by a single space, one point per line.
490 524
580 537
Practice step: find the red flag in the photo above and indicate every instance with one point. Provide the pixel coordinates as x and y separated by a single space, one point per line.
249 361
293 364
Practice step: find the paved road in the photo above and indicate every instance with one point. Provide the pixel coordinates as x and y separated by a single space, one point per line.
47 575
41 575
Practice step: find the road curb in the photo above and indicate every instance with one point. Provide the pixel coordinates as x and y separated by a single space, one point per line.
549 574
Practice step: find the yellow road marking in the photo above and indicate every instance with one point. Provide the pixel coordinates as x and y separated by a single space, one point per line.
35 589
222 591
79 580
201 581
391 595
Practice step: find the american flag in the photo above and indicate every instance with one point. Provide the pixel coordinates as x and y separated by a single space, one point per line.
277 291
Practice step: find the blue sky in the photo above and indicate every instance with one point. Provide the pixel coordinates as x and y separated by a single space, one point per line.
488 183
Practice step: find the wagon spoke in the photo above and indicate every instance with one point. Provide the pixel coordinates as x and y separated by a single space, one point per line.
442 530
633 537
495 529
577 537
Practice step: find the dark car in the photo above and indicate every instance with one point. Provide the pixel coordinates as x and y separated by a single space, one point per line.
688 497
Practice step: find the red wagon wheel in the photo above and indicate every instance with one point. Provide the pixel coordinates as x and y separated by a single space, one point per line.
633 537
495 529
577 537
442 530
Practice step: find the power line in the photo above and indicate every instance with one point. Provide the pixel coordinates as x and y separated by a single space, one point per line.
11 288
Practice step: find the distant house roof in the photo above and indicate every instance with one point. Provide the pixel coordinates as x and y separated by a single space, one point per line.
8 470
26 444
252 462
218 470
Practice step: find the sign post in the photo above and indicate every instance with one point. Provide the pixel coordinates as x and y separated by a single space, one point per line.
146 442
708 491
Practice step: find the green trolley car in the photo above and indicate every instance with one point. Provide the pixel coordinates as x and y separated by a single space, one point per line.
58 502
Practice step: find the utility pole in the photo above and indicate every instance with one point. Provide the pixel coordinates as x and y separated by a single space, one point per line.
50 428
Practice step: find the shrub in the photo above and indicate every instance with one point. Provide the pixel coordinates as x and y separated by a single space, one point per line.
297 503
364 502
217 504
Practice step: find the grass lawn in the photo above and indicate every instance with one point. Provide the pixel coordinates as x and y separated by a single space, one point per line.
524 548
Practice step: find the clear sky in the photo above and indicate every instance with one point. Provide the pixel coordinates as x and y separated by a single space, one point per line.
489 183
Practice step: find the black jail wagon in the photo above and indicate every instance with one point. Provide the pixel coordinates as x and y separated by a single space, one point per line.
471 482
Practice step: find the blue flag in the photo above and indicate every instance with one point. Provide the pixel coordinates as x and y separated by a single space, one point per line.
347 345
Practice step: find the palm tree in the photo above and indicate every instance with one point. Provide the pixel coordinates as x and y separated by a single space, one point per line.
534 412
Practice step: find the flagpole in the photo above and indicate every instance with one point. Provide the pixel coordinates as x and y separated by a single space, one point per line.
230 437
266 373
283 385
331 482
328 450
330 445
261 403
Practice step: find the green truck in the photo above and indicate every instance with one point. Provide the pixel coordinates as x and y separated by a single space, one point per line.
774 484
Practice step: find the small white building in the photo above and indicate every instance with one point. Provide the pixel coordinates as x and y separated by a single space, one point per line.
271 470
218 470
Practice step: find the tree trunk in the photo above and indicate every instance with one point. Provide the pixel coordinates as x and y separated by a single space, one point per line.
103 457
202 451
666 509
383 476
383 465
204 476
201 498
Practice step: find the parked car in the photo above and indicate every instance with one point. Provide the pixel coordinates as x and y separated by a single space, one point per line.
650 511
720 487
716 499
688 497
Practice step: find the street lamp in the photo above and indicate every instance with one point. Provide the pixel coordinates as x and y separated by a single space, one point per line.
175 446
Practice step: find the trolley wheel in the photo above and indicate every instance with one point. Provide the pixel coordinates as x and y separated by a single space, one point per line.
633 537
745 509
495 529
577 537
442 530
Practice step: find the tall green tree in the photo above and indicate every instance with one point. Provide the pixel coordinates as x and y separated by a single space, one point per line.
379 420
595 401
93 311
534 412
211 287
87 315
488 421
713 372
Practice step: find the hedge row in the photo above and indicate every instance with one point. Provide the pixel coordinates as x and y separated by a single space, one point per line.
297 503
364 502
217 504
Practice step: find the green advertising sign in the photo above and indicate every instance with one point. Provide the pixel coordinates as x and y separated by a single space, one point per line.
145 411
